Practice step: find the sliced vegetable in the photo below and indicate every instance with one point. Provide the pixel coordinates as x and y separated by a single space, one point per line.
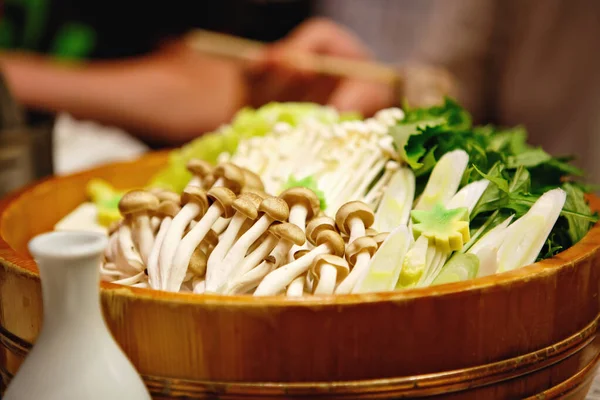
459 267
396 203
386 264
446 228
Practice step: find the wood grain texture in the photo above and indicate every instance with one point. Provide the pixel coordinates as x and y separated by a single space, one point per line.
511 335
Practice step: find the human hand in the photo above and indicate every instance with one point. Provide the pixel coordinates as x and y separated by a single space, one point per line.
277 76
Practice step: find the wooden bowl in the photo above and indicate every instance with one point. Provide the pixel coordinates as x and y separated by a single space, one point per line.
527 332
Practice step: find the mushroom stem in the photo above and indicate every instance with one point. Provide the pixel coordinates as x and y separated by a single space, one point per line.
327 280
357 228
296 288
199 285
225 243
237 252
277 280
252 278
187 245
130 280
187 213
360 269
252 260
298 214
154 278
221 225
142 284
128 250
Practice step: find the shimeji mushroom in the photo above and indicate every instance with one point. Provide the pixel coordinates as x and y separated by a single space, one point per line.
127 256
197 268
304 205
252 181
296 288
136 206
229 175
246 209
358 254
272 209
194 203
288 235
221 199
327 271
282 235
328 242
167 210
353 218
301 282
201 171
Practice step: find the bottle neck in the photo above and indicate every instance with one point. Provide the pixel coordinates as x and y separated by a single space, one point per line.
70 290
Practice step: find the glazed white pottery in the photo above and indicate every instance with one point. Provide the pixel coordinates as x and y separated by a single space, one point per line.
75 356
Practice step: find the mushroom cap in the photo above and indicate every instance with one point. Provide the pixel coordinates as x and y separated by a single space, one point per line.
199 168
247 204
113 227
137 201
275 208
211 238
288 231
232 175
333 240
208 181
363 243
340 264
195 194
371 232
252 180
164 195
353 209
317 225
167 208
225 197
380 238
258 192
300 253
304 196
198 262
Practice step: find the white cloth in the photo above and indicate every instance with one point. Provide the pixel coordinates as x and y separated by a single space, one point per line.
80 145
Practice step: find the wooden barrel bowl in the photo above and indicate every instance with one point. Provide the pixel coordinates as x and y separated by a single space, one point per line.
526 333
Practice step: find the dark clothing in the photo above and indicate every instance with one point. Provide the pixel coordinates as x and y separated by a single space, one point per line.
105 29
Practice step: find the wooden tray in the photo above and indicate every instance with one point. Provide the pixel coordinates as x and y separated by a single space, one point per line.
527 332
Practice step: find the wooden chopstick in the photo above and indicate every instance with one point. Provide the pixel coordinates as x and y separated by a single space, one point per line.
237 48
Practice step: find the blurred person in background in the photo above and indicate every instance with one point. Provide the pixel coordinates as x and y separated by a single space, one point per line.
535 62
124 63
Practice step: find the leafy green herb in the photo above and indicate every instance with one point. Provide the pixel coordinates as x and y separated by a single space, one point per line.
518 172
307 182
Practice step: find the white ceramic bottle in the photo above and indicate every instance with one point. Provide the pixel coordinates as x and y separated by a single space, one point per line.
75 356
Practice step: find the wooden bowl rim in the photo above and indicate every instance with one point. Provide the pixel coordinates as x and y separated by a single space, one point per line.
25 265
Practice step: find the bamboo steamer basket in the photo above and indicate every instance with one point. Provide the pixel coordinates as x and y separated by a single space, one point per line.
529 332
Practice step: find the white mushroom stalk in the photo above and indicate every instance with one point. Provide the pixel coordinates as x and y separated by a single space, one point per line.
201 173
272 209
195 204
166 211
328 270
358 254
353 218
288 235
304 205
246 209
221 199
136 206
328 242
296 287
